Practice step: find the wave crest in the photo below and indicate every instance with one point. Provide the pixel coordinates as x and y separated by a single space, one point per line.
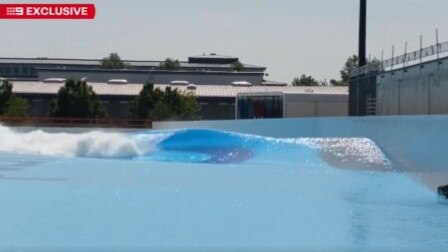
95 144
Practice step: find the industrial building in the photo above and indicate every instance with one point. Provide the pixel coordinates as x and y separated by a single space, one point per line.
29 68
216 101
222 92
154 76
209 69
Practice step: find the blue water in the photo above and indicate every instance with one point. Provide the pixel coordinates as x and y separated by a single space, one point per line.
202 190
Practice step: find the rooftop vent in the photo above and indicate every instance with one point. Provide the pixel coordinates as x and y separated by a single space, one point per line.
241 84
54 80
191 87
117 81
179 83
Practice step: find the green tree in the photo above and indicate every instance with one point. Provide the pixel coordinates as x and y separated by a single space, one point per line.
161 111
153 103
337 83
304 80
17 107
5 95
77 99
237 66
113 61
190 106
351 64
144 102
169 64
11 105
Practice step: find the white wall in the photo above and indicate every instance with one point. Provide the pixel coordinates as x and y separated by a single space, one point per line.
315 105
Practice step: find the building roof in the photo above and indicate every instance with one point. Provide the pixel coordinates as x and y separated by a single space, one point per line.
104 89
213 59
147 71
97 62
213 56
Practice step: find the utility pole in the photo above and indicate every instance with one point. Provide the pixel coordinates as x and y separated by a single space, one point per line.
362 32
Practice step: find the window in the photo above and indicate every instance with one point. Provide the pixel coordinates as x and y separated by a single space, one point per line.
249 107
8 70
16 70
25 70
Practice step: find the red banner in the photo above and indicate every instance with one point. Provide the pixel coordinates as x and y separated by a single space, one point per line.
47 11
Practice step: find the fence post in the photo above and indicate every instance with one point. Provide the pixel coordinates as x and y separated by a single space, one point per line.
421 53
438 49
404 58
392 59
437 45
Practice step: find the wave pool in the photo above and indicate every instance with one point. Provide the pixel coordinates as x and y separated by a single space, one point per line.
211 190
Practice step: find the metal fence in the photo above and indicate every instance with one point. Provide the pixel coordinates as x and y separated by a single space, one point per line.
402 59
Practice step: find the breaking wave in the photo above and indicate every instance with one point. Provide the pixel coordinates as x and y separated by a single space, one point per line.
95 144
191 146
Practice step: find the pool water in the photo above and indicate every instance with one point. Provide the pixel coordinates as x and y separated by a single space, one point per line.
202 190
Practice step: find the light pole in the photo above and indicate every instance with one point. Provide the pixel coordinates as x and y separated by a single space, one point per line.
362 32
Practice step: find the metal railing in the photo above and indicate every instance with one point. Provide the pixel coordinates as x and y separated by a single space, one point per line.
76 122
402 59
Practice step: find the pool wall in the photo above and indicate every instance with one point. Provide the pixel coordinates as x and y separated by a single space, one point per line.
412 143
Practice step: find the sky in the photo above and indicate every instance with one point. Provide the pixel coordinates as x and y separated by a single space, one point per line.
289 37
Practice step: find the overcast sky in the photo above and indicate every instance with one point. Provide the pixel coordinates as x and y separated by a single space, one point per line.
289 37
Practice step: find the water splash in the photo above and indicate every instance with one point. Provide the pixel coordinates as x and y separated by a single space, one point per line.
190 146
95 144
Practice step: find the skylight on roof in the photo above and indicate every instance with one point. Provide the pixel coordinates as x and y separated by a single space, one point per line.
180 82
241 84
117 81
54 80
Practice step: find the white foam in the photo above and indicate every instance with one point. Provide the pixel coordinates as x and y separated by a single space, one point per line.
351 150
95 144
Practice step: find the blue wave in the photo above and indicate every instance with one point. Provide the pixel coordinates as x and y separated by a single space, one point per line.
209 146
221 147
